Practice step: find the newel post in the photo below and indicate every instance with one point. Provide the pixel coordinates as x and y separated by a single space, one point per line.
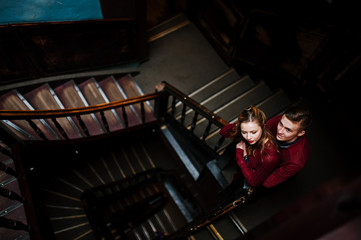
161 102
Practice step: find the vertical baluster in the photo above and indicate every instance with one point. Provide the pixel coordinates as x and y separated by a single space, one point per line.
105 122
60 128
142 111
194 121
5 151
8 170
36 129
11 195
125 117
161 106
173 106
83 126
206 131
183 113
219 143
13 224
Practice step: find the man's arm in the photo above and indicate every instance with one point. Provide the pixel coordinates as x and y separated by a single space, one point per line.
226 130
281 174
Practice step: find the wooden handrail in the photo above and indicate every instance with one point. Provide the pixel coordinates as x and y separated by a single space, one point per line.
205 112
213 216
56 113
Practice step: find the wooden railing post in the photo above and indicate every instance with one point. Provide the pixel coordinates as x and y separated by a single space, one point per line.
160 103
8 170
13 224
11 195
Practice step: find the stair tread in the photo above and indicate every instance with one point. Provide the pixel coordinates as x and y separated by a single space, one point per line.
74 231
94 97
11 101
131 90
13 234
61 223
251 97
56 211
215 85
70 98
41 98
17 214
278 102
176 20
223 96
228 112
113 92
203 234
9 163
227 229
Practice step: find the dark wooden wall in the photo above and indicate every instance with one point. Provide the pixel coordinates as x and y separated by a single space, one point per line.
29 51
297 43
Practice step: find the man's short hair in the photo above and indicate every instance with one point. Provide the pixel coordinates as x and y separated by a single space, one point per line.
299 114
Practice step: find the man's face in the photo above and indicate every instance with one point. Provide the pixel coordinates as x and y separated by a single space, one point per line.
288 131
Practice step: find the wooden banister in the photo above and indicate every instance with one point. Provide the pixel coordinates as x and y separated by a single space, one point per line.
56 113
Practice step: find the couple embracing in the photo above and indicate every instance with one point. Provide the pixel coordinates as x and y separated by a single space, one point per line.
269 152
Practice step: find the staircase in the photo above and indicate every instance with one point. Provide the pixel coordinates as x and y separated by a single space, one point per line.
70 94
12 207
120 174
226 94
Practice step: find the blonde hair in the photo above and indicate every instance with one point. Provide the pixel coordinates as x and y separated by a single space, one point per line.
253 114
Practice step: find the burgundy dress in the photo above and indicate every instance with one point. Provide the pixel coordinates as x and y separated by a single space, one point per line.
259 166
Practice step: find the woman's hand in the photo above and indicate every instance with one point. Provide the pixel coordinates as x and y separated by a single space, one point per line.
242 145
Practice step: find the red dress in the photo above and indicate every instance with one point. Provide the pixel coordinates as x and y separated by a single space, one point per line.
293 158
258 167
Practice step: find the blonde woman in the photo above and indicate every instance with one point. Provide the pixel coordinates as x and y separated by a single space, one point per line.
256 148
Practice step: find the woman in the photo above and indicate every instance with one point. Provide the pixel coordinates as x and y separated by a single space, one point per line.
256 150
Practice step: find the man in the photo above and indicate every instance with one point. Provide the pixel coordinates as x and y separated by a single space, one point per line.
289 130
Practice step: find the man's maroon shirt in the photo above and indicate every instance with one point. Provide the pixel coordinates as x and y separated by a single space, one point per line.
293 158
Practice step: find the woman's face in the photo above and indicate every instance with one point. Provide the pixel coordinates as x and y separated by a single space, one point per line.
251 132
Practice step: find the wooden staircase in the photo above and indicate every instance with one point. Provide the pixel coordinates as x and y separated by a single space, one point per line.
11 209
70 94
225 95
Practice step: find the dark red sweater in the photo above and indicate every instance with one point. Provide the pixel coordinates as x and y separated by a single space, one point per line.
258 167
293 158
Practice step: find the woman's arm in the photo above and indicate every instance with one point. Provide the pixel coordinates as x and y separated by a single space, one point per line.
256 176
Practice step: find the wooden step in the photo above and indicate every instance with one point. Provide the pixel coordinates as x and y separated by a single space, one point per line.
6 160
214 86
227 228
18 214
275 104
95 95
167 27
79 229
209 89
44 97
71 97
114 92
223 96
132 90
12 100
